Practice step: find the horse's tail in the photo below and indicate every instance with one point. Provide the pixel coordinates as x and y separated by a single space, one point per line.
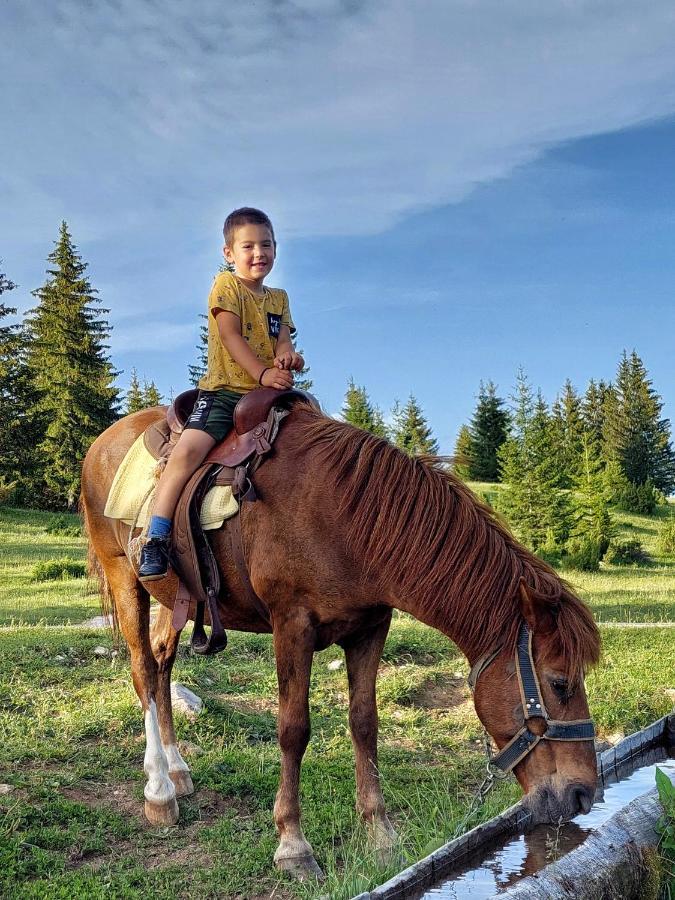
96 570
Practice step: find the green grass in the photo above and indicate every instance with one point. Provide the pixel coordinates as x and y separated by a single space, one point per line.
71 742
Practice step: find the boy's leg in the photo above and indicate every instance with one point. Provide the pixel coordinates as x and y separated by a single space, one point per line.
186 457
189 453
210 421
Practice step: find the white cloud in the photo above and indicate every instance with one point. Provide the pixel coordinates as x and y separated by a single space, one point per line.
339 117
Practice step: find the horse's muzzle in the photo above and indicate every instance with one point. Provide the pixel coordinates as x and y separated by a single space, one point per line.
548 806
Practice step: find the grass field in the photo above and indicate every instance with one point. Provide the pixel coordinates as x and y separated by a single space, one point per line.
71 742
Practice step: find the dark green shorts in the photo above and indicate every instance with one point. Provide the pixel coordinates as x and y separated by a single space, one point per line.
214 412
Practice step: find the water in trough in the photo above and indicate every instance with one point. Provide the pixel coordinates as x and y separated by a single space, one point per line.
503 865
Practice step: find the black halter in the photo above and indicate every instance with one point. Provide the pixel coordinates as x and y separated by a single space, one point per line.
524 741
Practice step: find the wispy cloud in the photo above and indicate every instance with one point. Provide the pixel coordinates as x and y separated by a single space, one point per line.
340 117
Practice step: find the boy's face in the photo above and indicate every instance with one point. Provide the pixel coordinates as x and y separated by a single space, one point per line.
252 252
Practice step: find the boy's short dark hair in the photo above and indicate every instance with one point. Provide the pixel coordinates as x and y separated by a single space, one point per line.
247 215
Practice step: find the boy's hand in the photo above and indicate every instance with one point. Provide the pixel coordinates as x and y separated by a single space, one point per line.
289 360
276 378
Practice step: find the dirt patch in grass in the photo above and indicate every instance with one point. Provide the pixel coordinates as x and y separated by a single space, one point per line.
440 694
201 809
248 705
119 797
205 805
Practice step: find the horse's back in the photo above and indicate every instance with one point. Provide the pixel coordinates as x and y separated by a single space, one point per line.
107 452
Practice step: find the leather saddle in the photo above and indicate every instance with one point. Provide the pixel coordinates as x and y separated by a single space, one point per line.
257 418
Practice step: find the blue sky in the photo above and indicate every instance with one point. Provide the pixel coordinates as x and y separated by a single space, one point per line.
459 188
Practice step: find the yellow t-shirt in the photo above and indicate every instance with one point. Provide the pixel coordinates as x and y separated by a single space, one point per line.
261 320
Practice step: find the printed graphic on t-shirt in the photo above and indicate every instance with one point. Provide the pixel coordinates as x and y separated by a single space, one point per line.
274 324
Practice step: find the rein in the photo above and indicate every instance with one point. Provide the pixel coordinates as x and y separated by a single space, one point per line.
524 741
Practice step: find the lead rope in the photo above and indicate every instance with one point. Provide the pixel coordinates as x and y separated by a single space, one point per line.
491 778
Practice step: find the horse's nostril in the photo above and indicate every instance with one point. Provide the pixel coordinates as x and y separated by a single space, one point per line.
583 799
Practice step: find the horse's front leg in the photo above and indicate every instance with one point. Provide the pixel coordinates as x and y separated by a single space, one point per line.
294 641
164 639
363 658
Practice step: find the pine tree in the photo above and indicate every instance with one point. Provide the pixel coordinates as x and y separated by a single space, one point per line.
19 420
134 394
533 501
359 411
70 368
151 395
488 430
636 436
463 456
410 432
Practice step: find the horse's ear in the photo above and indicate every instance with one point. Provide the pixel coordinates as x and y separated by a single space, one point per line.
538 613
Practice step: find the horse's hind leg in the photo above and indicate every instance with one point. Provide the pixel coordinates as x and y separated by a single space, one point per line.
363 654
132 604
164 640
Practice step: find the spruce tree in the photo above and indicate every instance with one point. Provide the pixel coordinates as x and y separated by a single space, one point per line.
593 409
138 397
488 430
19 419
636 436
567 430
463 456
151 395
302 382
71 370
410 432
198 369
359 411
533 501
591 519
134 394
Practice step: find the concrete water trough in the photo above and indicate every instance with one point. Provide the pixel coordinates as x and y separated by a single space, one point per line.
607 853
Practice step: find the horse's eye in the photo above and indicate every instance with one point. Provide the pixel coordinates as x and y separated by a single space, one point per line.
562 688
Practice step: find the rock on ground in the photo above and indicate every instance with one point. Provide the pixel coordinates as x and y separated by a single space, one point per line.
185 701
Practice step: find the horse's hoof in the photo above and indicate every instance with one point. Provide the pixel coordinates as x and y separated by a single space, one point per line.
182 782
300 867
161 813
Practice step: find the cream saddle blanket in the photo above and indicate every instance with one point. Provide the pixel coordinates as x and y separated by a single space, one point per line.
133 489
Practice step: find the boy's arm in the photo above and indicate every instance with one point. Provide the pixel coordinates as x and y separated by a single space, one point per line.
229 329
286 357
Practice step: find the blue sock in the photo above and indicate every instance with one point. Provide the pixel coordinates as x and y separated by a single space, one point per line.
159 527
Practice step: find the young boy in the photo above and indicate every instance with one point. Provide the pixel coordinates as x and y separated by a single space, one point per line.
249 346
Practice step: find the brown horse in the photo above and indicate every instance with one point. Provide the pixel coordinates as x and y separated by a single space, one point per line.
347 528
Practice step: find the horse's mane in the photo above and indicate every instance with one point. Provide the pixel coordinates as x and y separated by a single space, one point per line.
414 524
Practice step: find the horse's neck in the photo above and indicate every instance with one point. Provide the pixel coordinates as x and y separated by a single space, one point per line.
439 617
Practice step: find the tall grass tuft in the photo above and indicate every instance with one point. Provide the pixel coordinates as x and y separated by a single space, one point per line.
57 569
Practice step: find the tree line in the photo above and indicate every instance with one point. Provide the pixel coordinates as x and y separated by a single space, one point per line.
562 466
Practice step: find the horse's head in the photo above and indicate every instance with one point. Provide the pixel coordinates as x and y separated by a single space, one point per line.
536 696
